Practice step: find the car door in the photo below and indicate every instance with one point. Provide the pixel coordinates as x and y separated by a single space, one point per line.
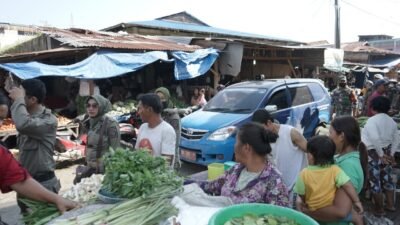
304 113
280 97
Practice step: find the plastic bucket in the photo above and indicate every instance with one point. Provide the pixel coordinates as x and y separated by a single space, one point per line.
215 170
228 165
226 214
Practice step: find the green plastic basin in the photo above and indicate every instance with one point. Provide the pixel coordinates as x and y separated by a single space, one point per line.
228 213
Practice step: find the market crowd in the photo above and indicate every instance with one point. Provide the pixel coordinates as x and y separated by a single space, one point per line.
32 175
322 177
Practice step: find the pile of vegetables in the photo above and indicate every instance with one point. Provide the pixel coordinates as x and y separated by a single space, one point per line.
8 125
130 174
120 108
149 210
39 212
178 103
251 219
63 120
86 190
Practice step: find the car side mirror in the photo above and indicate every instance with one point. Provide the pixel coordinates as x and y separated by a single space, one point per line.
271 108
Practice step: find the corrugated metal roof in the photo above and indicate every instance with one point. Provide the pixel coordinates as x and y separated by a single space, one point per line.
365 47
204 29
194 40
81 38
362 47
50 52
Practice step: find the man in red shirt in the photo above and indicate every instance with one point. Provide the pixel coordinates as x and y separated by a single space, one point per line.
14 177
380 89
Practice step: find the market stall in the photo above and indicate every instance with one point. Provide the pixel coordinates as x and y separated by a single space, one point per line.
8 129
138 188
67 147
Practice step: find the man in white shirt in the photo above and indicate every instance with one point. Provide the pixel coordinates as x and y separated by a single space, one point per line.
288 152
155 134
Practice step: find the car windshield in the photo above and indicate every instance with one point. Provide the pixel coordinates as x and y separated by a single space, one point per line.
236 100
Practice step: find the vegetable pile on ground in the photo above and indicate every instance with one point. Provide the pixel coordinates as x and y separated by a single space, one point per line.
39 212
261 220
86 190
149 210
130 174
121 108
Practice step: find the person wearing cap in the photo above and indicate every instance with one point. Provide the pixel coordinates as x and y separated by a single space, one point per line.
380 89
377 77
344 101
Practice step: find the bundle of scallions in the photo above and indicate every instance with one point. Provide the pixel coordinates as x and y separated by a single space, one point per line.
39 212
145 210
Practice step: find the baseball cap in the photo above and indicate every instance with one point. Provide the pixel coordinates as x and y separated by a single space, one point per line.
342 78
378 76
369 83
380 82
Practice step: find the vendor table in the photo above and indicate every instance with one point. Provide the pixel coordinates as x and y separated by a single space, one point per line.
72 127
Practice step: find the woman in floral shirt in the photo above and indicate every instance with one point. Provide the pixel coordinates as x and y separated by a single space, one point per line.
253 179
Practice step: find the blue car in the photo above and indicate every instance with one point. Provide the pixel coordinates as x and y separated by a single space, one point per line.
208 135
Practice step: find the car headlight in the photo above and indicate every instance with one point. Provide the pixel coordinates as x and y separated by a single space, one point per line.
222 133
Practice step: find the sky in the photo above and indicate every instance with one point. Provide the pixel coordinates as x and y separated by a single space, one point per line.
299 20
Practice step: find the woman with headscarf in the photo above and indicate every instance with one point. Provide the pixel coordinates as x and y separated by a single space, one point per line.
170 116
103 132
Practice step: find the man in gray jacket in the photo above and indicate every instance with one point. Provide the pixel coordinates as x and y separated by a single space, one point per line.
37 128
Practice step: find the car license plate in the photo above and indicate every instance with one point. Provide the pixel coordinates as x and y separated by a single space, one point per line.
189 155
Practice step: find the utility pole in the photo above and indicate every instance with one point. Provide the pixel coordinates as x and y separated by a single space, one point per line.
72 21
337 25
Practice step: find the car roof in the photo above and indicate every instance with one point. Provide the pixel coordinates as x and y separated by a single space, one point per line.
269 83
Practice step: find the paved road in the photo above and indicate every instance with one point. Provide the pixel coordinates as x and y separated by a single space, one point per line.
9 210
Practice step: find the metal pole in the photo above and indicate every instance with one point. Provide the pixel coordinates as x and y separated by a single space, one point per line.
337 25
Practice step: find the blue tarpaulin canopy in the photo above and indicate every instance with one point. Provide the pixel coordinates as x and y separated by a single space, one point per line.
189 65
385 62
105 64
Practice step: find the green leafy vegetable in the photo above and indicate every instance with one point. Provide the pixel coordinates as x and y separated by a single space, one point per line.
149 210
130 174
39 212
251 219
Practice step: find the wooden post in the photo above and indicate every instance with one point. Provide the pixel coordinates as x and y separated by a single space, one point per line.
91 87
291 68
217 76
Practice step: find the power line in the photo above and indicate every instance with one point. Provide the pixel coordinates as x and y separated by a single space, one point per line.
317 10
371 14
